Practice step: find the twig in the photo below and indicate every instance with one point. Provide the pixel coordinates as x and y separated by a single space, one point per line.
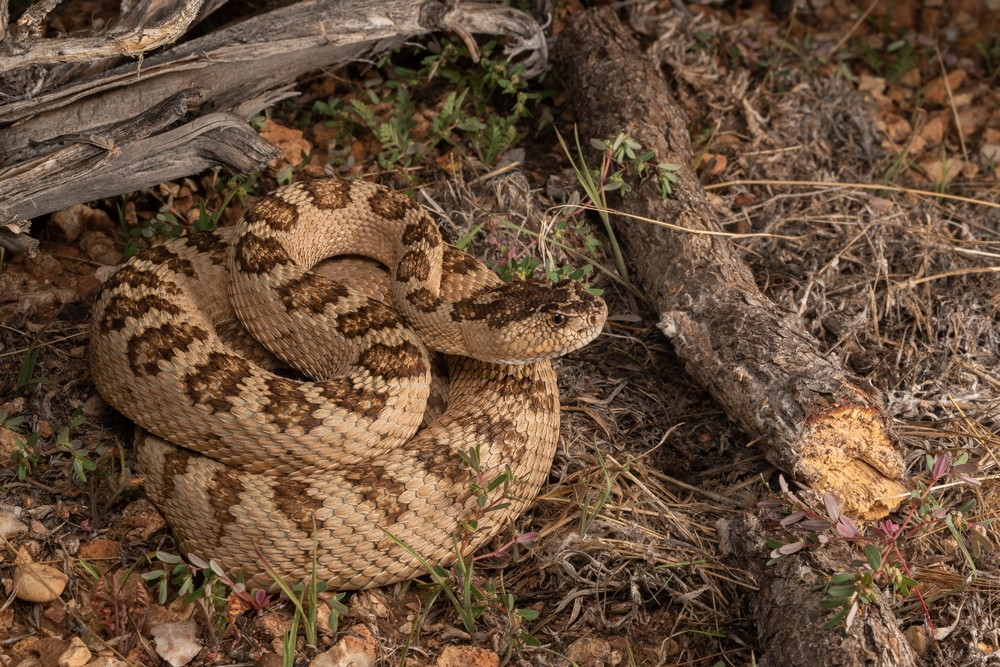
859 186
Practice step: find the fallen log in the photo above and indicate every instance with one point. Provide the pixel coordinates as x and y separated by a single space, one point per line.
809 416
786 612
116 131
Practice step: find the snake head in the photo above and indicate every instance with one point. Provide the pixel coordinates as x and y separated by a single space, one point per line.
527 321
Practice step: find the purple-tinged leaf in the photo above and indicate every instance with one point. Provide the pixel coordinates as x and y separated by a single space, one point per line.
791 548
792 518
823 539
198 562
969 480
775 555
846 527
238 587
782 483
816 524
939 513
260 596
832 507
770 503
966 469
527 537
889 528
940 466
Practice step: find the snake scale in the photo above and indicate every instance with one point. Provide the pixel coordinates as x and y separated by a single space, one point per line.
188 339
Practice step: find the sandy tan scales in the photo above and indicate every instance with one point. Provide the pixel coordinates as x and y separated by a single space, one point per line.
186 338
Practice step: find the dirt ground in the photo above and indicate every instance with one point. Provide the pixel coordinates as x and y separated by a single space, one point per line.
823 136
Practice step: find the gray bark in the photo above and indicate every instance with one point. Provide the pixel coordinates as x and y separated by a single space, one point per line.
811 418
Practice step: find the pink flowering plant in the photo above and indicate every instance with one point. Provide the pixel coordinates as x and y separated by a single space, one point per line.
884 543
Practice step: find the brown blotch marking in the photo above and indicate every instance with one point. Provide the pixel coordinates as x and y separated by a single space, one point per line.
292 498
391 205
423 299
518 301
414 264
145 349
224 492
121 307
220 376
310 292
274 212
288 405
132 276
373 316
255 254
210 243
403 361
362 402
329 194
459 263
379 487
161 254
422 229
175 463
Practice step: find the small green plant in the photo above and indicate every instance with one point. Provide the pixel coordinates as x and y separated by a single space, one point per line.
237 187
471 596
991 56
305 599
75 448
205 584
885 545
118 607
593 501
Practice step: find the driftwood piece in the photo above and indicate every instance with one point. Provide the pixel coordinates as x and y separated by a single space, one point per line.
116 131
786 612
810 417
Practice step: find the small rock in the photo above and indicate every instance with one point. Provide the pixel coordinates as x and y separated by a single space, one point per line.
29 662
107 661
140 520
104 272
589 652
77 655
55 614
95 406
100 550
101 248
937 170
991 152
351 651
937 93
916 636
10 525
66 225
70 543
38 528
467 656
36 582
177 642
268 659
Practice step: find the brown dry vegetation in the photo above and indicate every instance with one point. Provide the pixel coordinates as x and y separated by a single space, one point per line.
901 286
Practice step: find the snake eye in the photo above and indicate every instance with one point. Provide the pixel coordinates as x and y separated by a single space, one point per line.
558 319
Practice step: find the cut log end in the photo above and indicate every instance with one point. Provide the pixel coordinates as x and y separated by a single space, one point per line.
848 453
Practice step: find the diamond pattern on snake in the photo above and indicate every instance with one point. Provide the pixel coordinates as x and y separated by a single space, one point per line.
189 339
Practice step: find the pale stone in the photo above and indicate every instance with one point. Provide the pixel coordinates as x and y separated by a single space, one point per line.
177 642
77 655
107 661
350 651
10 525
36 582
467 656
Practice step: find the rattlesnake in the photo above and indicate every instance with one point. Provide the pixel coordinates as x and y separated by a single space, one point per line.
240 458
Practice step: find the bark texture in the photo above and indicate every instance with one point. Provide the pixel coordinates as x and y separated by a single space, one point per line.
70 135
824 426
786 612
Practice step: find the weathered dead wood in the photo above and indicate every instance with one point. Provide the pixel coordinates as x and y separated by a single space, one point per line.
786 613
14 237
111 133
810 417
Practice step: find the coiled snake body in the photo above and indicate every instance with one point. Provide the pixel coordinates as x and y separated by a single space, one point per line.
240 458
